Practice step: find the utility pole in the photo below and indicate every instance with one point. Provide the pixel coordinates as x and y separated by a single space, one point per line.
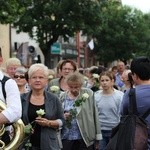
86 56
78 47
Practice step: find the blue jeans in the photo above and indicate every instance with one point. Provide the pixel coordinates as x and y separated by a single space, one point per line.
106 134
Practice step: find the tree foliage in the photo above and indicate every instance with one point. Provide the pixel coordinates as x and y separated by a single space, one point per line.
9 11
46 20
124 33
120 32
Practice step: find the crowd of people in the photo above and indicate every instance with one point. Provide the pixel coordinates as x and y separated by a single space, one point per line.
69 108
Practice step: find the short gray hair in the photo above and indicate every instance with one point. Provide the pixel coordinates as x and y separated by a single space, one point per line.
21 70
38 66
75 77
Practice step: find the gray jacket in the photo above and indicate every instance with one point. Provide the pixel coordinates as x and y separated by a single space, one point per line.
87 118
53 111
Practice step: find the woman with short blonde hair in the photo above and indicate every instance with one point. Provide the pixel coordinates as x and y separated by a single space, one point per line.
39 100
11 65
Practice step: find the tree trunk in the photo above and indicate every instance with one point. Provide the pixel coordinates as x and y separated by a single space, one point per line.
47 52
47 56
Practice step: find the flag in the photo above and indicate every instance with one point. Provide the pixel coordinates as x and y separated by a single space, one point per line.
91 44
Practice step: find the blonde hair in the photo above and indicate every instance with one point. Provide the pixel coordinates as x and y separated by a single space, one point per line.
75 77
13 61
39 66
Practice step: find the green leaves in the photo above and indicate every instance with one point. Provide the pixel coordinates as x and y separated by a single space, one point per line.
123 32
72 115
28 129
28 145
73 112
35 18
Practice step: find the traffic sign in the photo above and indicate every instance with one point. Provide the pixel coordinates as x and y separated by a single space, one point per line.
56 48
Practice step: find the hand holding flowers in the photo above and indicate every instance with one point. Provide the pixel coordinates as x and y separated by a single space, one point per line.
69 116
29 128
40 120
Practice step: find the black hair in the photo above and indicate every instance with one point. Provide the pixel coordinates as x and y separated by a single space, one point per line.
130 79
98 70
27 76
141 67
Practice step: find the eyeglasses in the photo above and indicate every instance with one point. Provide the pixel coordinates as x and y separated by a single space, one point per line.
19 76
69 69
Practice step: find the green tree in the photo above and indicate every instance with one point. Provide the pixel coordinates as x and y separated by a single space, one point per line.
123 32
145 38
9 11
46 20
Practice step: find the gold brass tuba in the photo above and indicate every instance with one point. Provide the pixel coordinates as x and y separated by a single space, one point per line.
18 133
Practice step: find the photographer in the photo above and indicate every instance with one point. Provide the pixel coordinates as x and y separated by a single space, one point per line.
140 68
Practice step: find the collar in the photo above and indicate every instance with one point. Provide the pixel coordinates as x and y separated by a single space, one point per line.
1 75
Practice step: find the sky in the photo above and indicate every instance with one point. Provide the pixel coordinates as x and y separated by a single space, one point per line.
143 5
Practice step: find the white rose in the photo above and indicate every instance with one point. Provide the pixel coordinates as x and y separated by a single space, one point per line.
86 78
54 88
50 77
95 75
85 96
40 112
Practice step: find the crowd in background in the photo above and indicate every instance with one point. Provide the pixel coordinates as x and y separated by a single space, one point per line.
81 106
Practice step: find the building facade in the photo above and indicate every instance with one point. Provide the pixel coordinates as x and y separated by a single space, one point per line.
17 45
5 41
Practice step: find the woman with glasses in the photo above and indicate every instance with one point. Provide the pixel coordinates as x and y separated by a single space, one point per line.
42 110
66 67
20 79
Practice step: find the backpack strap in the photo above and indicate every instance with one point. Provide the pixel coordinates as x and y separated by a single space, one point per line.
132 102
133 105
5 78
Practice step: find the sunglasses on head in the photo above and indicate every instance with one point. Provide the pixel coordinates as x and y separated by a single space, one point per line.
19 76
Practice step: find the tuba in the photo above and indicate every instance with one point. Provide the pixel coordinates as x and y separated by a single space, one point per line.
18 133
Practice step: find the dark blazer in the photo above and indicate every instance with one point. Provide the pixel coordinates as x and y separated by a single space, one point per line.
53 110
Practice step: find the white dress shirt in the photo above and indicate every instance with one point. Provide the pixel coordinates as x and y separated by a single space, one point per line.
13 109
